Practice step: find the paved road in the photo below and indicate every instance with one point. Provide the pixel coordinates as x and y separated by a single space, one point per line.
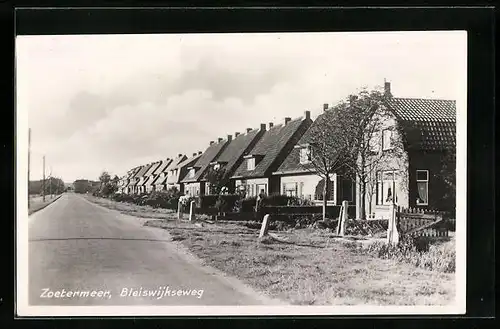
77 247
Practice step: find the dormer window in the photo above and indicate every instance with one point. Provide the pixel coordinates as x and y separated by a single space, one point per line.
192 172
305 155
250 163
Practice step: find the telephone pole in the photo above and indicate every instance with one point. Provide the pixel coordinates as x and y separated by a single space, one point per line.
50 182
43 183
29 155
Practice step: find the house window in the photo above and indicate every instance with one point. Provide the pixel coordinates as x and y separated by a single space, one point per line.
373 143
192 171
217 166
387 140
305 155
319 190
386 187
251 164
422 187
260 188
291 189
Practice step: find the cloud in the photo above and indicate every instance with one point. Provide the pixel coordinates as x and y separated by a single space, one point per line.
114 102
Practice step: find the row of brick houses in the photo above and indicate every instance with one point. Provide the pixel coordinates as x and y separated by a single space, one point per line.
274 159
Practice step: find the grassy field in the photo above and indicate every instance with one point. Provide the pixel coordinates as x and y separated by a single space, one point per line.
36 203
304 266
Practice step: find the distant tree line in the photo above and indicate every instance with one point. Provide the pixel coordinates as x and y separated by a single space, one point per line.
85 185
53 185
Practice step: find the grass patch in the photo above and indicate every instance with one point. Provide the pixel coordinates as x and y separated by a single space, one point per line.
419 253
310 266
300 267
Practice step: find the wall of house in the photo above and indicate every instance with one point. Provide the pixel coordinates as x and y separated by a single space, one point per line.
307 185
252 185
437 188
398 160
192 189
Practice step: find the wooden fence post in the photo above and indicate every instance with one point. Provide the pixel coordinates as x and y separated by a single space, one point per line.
179 210
392 230
265 226
345 204
191 211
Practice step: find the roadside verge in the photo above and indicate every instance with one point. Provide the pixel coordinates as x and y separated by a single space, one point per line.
39 205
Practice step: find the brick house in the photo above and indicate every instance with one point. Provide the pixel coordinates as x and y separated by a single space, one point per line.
254 174
125 180
425 131
160 176
140 178
177 172
156 174
193 180
232 155
134 179
299 178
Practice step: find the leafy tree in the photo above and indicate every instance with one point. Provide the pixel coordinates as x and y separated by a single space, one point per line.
108 185
218 179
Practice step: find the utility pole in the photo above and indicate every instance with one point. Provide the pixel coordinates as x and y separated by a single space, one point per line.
43 183
50 182
29 155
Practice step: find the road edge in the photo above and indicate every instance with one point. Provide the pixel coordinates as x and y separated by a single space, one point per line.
45 206
192 259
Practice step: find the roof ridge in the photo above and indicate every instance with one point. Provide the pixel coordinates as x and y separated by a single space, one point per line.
425 98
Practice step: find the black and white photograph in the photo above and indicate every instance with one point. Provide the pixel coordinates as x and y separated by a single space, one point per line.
318 173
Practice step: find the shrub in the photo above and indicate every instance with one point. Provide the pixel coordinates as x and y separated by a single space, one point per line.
418 252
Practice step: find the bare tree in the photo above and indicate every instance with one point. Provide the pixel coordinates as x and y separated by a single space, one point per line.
347 140
373 141
325 150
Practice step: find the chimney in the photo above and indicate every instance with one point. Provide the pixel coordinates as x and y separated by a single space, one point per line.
249 130
236 134
307 114
271 125
200 152
325 106
179 155
229 138
211 142
263 127
387 88
287 120
219 139
195 154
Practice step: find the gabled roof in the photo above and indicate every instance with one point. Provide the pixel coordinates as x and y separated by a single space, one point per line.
234 152
174 179
203 162
152 168
270 146
428 124
143 170
163 168
292 164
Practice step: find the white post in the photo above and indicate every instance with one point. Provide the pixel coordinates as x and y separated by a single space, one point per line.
345 204
392 230
179 210
341 212
265 226
191 211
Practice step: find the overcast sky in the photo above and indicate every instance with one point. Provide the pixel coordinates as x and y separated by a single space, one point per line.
112 102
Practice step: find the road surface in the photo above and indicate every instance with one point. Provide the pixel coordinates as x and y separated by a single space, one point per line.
84 254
